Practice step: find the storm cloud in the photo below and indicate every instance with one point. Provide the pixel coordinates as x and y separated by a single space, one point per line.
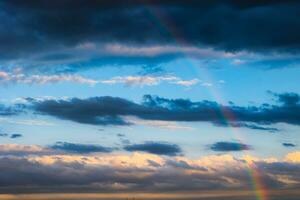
51 32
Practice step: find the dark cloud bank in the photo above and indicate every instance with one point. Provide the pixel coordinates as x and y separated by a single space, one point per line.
48 31
231 25
111 111
169 176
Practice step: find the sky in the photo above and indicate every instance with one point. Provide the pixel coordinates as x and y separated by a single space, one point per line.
150 99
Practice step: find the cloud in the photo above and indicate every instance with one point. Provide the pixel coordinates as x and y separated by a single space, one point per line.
159 148
229 146
287 144
14 136
80 148
212 26
149 80
158 124
288 99
22 150
80 37
247 125
142 172
9 110
108 110
17 77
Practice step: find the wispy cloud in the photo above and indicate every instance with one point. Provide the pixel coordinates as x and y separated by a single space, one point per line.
158 124
152 51
18 77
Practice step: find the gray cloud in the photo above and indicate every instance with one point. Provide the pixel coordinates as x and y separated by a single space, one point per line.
140 173
287 144
159 148
229 146
80 148
16 135
112 110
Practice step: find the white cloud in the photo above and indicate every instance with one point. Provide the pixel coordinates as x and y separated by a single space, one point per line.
21 150
149 80
187 83
19 77
237 62
158 124
152 51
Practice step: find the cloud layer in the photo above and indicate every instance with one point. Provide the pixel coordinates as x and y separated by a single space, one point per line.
72 36
140 172
18 77
112 110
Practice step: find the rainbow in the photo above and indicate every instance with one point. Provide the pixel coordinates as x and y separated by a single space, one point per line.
164 22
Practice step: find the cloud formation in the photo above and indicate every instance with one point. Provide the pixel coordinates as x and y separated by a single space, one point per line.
75 36
16 135
230 146
22 150
287 144
213 19
140 172
80 148
18 77
112 110
159 148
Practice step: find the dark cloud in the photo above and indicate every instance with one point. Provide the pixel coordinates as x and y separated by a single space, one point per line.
247 125
3 134
8 111
159 148
132 174
97 110
288 99
111 110
287 144
36 29
14 136
80 148
229 146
